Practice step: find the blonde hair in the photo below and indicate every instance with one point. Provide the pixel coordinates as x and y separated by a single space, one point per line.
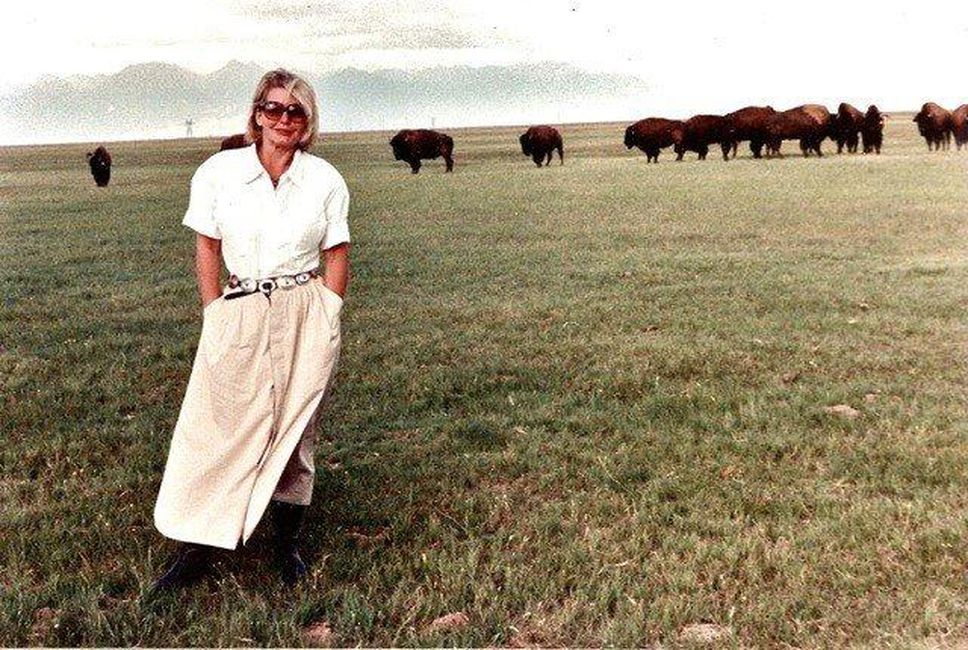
295 86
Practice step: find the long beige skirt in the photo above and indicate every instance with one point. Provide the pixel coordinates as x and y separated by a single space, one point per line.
262 370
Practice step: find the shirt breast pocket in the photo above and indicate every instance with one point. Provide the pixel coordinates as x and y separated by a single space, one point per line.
235 213
223 203
230 213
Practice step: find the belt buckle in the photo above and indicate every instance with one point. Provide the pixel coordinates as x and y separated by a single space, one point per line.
267 286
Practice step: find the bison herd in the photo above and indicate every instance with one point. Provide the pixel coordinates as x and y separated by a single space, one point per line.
763 127
937 125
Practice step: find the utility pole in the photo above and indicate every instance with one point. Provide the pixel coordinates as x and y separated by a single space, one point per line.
188 128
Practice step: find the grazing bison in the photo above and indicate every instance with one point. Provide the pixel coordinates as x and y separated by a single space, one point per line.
237 141
747 124
872 131
540 142
422 144
701 131
100 162
959 125
846 127
652 134
833 131
809 124
934 125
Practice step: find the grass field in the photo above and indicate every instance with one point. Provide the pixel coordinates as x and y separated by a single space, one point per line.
581 405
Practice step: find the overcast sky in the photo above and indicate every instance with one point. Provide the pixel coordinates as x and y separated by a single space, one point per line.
708 56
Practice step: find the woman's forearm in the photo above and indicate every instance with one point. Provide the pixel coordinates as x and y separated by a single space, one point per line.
336 271
208 267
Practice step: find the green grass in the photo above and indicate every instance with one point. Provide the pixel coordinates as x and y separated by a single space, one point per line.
583 405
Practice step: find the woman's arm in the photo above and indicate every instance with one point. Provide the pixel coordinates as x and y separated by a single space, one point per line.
208 267
336 268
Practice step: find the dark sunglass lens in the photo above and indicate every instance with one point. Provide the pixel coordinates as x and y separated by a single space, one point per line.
272 110
296 112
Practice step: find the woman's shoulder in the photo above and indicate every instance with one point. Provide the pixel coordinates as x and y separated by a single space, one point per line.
320 167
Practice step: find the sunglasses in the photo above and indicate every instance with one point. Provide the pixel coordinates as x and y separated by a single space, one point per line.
274 111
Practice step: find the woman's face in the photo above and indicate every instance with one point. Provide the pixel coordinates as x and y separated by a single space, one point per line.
285 130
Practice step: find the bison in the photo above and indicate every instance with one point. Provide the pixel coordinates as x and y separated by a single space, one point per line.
237 141
701 131
414 145
540 142
872 131
809 124
100 162
846 127
652 134
747 124
959 125
934 125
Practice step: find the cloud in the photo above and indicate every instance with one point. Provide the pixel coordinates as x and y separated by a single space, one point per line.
339 27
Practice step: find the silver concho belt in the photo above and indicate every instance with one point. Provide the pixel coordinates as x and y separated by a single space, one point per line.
266 286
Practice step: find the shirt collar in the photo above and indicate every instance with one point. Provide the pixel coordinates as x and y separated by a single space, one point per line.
253 166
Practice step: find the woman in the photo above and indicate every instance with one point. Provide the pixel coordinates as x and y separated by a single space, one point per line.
270 339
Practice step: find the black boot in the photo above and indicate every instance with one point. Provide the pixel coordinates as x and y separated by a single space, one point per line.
287 520
191 562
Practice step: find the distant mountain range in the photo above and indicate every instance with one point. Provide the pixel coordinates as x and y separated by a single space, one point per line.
154 100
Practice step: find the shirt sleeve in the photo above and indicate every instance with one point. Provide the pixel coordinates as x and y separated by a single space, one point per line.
337 209
200 215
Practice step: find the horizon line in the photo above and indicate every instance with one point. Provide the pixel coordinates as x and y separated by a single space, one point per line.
359 131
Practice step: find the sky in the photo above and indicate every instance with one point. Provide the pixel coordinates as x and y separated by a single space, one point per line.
709 56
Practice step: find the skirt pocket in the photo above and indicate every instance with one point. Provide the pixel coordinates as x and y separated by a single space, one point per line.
215 329
332 306
231 367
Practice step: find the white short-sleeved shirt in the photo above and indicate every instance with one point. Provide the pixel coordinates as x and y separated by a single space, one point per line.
269 231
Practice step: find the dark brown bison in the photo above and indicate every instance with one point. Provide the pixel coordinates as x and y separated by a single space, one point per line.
959 125
826 122
414 145
833 131
652 134
747 124
846 126
934 125
540 142
100 162
872 131
809 124
237 141
701 131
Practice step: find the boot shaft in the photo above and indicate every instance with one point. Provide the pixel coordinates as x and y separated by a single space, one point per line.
287 521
